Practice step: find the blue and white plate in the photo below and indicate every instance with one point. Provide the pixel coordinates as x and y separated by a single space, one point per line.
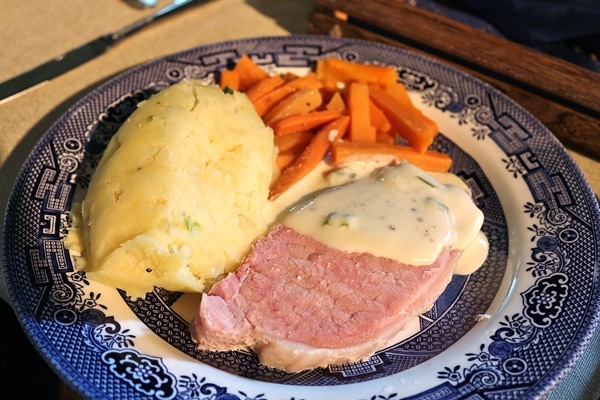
510 330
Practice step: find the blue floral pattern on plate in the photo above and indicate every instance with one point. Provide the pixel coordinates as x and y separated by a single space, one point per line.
510 330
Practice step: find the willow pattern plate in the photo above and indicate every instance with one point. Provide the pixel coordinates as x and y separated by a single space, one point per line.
510 330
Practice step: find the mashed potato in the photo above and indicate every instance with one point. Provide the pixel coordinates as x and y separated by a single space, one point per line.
179 195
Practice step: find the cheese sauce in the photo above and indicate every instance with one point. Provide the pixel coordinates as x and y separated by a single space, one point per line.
399 212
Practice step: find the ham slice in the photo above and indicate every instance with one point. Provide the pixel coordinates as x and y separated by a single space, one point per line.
299 304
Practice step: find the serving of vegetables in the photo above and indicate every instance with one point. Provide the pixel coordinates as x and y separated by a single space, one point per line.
355 112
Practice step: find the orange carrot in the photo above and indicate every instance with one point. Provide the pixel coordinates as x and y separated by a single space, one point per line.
378 119
287 158
266 102
303 122
289 76
408 121
344 152
229 78
336 103
249 72
373 109
334 73
308 80
293 141
398 91
357 102
263 87
301 101
311 156
388 137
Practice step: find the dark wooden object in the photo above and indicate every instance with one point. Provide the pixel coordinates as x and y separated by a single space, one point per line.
562 95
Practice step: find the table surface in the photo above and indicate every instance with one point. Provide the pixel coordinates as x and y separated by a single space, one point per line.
34 31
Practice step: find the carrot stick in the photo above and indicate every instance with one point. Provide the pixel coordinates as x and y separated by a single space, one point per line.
293 141
301 101
378 119
229 78
408 121
386 137
287 158
303 122
311 156
398 91
263 87
249 72
288 76
336 73
336 103
344 153
357 101
266 102
308 80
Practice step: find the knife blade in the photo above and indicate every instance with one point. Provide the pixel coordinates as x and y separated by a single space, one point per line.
80 55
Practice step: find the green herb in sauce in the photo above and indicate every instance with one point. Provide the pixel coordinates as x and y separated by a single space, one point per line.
190 224
337 219
425 181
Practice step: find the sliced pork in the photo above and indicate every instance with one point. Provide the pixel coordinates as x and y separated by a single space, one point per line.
299 304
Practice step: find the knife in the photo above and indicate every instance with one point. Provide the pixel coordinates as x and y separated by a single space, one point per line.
50 69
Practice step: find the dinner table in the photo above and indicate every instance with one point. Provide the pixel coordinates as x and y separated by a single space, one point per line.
35 31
